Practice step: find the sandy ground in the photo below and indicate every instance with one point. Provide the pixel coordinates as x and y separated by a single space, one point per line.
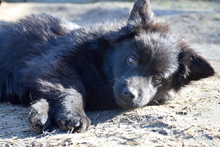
190 119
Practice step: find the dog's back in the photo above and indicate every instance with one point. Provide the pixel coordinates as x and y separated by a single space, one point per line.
18 43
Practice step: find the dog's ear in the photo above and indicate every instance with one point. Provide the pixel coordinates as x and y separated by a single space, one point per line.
140 12
192 67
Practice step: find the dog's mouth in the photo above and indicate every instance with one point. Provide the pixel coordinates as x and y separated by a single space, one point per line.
128 105
124 105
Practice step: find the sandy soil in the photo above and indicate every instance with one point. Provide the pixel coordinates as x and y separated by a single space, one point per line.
190 119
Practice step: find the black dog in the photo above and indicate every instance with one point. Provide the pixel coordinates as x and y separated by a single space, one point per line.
63 69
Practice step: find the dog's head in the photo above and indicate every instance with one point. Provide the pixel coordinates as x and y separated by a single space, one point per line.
148 60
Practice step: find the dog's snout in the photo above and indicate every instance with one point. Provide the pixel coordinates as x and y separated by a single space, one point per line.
128 94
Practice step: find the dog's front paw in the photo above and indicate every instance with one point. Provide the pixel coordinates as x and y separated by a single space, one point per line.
38 116
73 122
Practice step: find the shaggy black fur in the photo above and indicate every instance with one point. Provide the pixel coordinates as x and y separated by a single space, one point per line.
63 69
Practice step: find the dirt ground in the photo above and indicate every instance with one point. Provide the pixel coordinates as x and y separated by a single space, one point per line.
190 119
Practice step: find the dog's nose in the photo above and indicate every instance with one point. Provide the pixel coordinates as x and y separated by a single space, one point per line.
129 95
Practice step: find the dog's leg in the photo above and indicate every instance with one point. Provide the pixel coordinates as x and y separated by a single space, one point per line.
68 112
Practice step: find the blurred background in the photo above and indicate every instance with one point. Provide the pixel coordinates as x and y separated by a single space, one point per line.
84 1
197 20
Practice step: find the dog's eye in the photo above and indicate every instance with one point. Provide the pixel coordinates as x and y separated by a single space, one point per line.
132 60
157 80
158 77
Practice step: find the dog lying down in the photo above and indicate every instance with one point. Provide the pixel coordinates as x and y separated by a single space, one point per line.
62 69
